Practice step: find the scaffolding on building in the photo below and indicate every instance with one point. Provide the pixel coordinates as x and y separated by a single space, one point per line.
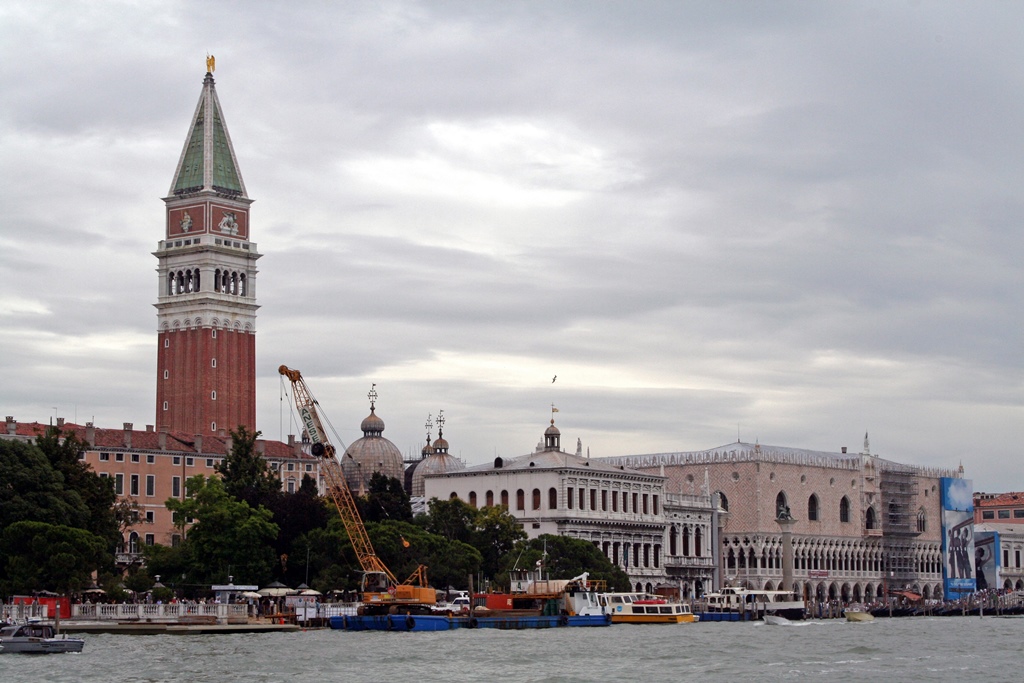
897 486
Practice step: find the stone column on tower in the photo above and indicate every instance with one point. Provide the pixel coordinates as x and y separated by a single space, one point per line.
206 302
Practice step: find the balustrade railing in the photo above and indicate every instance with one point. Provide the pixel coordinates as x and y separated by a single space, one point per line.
147 611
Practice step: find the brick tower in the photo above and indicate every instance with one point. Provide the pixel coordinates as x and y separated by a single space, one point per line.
206 307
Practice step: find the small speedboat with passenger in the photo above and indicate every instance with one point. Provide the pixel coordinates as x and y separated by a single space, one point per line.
36 638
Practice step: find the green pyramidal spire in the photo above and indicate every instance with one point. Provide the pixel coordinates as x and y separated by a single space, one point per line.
208 160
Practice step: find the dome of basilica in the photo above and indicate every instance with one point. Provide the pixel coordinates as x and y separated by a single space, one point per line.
439 461
372 453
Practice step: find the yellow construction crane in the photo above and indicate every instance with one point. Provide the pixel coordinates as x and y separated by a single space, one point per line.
381 591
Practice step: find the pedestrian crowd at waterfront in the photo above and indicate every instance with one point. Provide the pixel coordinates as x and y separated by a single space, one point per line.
991 601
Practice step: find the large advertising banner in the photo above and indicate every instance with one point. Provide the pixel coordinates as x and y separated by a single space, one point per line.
957 537
986 559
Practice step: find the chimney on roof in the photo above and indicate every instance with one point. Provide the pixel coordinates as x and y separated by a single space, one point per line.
199 443
149 428
229 443
261 447
291 439
844 450
161 439
12 426
90 433
128 434
60 423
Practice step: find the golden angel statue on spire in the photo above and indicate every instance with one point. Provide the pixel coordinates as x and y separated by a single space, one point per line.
211 63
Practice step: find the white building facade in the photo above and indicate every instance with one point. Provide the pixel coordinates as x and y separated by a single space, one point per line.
620 511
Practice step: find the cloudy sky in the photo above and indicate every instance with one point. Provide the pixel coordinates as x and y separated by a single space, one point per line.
785 222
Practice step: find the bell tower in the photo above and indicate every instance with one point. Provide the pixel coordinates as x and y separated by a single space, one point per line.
206 303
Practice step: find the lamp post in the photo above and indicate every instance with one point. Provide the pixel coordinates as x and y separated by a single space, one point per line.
307 565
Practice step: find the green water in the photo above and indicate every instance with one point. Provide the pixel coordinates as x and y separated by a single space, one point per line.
918 649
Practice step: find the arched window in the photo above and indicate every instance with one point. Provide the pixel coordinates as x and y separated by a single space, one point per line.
812 508
781 504
504 499
672 537
520 499
536 499
490 498
552 498
922 522
723 502
472 498
697 545
686 541
844 509
869 519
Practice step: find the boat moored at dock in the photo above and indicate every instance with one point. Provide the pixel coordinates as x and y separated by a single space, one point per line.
743 604
644 608
534 603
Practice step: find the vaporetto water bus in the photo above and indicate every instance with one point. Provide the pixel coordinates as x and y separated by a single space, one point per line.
744 604
644 608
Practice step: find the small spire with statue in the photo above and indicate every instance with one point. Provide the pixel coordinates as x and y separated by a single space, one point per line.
211 63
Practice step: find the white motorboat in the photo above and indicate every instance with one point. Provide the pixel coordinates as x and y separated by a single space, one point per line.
858 614
36 638
776 620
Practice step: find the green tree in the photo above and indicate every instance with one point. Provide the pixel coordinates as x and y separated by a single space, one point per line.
229 536
37 556
495 534
451 563
563 558
32 490
403 547
296 515
386 499
172 563
82 484
245 473
332 561
452 518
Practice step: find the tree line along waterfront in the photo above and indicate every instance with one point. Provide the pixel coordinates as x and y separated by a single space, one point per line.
61 525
